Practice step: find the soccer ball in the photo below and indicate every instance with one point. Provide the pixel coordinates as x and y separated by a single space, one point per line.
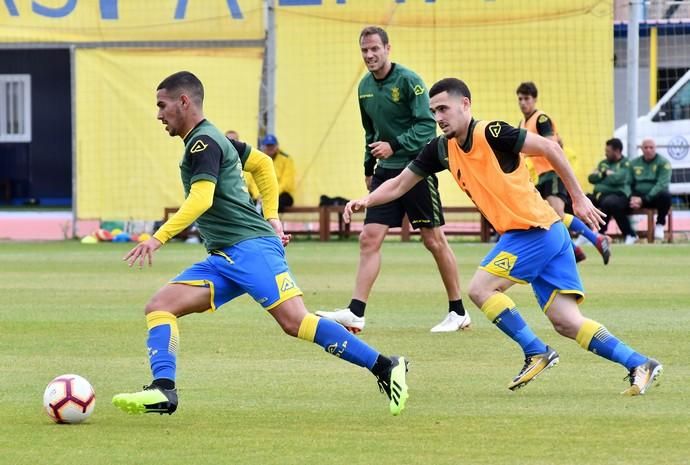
69 399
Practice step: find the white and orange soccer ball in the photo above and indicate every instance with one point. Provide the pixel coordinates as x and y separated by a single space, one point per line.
69 399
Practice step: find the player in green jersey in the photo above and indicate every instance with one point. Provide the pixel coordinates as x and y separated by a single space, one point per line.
394 107
245 255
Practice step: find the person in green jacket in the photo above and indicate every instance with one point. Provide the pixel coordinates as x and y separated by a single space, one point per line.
611 180
651 175
394 107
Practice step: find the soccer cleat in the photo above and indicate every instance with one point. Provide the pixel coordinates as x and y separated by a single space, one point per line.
659 232
152 399
345 317
630 240
452 322
393 383
603 245
534 366
579 254
642 377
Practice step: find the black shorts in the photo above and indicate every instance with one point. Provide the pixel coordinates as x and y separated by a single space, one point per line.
549 184
422 203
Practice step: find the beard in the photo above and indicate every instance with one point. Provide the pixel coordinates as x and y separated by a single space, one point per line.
449 133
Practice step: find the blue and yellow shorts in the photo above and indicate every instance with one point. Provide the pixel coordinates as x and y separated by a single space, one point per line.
543 258
254 266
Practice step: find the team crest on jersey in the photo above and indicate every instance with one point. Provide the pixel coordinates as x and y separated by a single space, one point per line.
542 119
495 129
395 94
418 90
198 146
638 170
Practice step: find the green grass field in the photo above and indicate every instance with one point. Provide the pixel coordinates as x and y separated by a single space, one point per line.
251 395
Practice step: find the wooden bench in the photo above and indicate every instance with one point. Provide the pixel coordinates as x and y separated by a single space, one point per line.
649 233
300 210
190 231
327 227
325 217
484 230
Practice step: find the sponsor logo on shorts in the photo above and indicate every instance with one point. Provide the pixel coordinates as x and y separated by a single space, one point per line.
502 264
285 282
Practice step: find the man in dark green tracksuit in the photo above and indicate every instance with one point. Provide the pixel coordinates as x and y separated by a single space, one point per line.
611 180
651 175
394 106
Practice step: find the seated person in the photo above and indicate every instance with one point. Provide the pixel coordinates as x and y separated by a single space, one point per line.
285 171
651 176
258 173
254 193
611 180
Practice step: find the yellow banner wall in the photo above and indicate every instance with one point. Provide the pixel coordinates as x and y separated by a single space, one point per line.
129 20
127 164
564 46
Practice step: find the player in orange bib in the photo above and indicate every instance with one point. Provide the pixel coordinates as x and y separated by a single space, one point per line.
548 183
534 247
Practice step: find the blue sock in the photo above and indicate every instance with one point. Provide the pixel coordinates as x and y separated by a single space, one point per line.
337 341
162 344
501 311
512 324
575 224
596 338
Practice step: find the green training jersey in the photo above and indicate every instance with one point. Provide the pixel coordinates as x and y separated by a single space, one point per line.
616 182
210 156
650 178
396 110
243 149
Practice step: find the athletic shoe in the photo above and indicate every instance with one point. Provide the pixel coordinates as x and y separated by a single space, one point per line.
393 383
659 232
345 317
534 366
152 399
630 240
642 377
452 322
603 245
579 254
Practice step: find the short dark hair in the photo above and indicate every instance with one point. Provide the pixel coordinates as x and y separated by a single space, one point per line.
372 31
184 81
451 85
615 144
527 88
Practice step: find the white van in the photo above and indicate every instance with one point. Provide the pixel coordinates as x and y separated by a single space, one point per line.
668 124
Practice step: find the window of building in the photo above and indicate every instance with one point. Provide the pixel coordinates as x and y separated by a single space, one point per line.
15 108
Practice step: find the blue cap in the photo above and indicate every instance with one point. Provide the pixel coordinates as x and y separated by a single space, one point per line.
269 139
